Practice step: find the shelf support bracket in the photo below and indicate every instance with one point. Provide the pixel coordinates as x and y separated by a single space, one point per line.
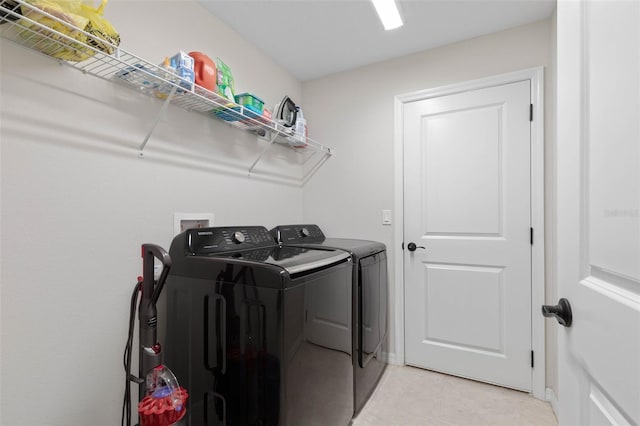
315 168
272 139
159 116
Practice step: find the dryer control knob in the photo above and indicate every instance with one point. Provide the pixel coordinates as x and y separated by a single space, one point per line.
305 232
238 237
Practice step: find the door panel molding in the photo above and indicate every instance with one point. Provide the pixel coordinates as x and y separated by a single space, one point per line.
445 217
598 213
602 410
612 291
492 283
535 76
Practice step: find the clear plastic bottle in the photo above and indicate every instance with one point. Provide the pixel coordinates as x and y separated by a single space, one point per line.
299 138
168 74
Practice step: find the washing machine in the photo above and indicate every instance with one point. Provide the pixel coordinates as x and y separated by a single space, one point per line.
258 333
369 297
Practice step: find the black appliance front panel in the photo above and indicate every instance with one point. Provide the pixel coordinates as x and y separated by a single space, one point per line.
250 354
370 325
371 307
206 241
297 234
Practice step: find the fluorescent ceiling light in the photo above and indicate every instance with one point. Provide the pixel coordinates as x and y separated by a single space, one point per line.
388 13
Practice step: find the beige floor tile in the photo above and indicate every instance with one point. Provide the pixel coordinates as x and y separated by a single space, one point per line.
408 396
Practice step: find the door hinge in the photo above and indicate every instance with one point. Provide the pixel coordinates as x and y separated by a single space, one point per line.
531 359
530 112
531 235
403 245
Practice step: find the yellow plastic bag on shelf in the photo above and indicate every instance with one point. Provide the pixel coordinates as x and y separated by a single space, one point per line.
67 20
65 27
100 28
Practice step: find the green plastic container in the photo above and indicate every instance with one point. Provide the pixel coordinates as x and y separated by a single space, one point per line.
251 102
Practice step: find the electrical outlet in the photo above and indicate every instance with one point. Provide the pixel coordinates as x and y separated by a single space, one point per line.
184 221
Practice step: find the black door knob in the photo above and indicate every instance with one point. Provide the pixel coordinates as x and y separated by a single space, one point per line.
412 246
561 311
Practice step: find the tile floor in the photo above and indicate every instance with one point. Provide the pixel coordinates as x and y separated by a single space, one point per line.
408 396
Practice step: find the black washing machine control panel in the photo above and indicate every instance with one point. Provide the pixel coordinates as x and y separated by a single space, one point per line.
205 241
297 234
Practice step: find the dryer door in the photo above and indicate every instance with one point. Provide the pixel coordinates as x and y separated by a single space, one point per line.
370 324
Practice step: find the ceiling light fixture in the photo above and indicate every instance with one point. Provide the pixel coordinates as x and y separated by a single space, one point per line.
388 13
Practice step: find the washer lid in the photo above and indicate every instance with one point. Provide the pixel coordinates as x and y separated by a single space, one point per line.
294 260
358 248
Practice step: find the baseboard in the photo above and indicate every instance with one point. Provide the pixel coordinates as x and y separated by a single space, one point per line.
390 357
553 399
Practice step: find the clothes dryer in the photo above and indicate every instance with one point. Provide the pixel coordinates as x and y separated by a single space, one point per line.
370 301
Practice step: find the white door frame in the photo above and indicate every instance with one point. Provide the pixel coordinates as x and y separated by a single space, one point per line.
535 75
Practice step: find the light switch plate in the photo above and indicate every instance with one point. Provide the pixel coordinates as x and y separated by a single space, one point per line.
184 221
386 217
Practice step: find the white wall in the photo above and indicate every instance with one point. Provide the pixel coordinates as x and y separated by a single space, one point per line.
354 112
76 203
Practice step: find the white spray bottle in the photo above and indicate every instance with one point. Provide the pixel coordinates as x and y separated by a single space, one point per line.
301 132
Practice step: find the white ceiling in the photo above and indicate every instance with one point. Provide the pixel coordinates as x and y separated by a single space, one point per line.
314 38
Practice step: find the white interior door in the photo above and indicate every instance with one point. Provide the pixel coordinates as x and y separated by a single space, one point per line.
598 211
467 208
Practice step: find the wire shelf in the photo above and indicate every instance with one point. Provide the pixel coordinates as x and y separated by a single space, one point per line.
48 34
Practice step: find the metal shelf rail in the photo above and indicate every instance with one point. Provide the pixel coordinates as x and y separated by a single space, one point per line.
40 31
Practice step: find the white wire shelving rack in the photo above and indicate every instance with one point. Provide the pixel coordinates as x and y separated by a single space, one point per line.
47 34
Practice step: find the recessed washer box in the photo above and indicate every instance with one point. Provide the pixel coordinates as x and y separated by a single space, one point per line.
184 221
